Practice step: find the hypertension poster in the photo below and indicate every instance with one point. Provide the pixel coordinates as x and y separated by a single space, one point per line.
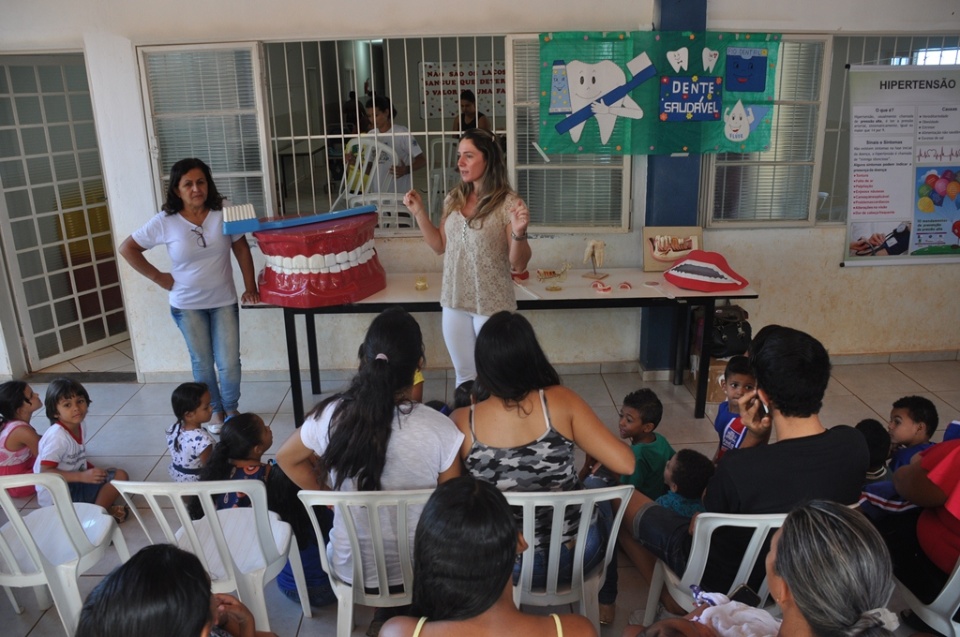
904 165
656 92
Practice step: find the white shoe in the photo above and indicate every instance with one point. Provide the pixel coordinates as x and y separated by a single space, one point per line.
215 424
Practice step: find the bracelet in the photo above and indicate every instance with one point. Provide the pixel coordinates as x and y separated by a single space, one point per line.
516 237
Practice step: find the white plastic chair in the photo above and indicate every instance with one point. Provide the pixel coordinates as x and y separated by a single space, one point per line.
703 529
48 548
583 586
938 614
443 171
372 512
367 181
242 548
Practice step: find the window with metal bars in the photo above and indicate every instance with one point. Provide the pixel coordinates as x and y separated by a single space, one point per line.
318 93
775 185
892 50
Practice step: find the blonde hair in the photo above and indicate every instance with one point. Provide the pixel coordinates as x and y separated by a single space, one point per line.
496 184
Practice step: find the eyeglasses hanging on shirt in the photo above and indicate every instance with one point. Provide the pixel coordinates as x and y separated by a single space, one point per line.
201 241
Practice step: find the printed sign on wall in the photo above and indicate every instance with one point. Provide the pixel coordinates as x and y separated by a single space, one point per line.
904 165
656 93
441 84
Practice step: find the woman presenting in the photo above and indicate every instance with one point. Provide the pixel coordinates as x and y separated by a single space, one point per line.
203 299
483 238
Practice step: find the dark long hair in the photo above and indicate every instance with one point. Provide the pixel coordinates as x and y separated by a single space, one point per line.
510 361
237 439
11 399
174 203
496 181
463 517
184 399
361 426
162 591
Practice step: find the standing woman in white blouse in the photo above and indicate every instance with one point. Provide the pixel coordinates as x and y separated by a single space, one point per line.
203 298
483 238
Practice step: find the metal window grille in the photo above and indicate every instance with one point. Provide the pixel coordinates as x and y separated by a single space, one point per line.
775 185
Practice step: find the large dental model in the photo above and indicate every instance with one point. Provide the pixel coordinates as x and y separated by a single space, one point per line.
326 263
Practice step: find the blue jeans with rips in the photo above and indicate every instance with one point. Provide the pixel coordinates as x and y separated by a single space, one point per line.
213 341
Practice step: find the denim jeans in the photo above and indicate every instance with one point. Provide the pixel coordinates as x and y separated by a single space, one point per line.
213 341
608 591
593 554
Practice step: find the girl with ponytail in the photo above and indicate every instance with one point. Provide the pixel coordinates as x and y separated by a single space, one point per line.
373 437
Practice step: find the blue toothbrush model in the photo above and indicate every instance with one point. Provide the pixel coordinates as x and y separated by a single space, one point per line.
243 218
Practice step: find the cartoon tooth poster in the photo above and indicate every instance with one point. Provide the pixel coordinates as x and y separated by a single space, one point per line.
656 92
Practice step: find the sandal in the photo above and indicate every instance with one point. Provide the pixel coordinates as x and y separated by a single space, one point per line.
119 513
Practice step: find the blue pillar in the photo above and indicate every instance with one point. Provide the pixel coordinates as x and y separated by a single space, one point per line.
673 191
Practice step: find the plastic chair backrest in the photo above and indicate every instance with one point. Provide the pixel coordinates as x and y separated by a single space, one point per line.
443 152
72 541
48 548
555 593
362 175
762 526
370 508
941 612
177 495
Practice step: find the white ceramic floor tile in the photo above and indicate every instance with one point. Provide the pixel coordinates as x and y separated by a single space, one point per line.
131 436
875 379
847 410
934 375
106 362
590 387
153 399
108 398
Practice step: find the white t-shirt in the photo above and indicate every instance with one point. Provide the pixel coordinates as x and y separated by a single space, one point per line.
406 149
423 444
202 276
58 448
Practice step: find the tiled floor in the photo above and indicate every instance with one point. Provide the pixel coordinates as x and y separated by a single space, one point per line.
116 358
126 422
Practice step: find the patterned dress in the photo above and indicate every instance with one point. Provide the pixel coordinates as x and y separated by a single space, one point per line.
185 462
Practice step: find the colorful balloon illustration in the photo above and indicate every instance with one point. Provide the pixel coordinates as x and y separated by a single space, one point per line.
941 186
925 204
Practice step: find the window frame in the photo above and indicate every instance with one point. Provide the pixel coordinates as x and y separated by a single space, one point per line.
267 177
513 167
709 163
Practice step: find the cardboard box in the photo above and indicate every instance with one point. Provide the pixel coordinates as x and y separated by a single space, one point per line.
714 391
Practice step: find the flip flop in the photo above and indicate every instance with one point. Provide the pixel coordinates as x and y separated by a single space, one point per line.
119 513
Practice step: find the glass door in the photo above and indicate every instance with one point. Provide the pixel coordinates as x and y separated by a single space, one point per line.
57 245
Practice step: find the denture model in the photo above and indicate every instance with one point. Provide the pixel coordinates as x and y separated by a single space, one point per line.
320 264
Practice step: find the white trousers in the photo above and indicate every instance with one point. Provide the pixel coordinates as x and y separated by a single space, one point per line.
460 331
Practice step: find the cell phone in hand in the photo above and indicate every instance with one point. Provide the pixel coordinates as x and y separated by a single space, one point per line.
745 595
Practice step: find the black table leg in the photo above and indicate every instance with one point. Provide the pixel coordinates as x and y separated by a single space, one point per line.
312 355
703 375
293 361
678 343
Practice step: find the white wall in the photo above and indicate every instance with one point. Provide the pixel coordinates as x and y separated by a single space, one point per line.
852 311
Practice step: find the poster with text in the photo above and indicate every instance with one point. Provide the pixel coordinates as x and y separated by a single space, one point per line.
904 165
656 92
442 83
